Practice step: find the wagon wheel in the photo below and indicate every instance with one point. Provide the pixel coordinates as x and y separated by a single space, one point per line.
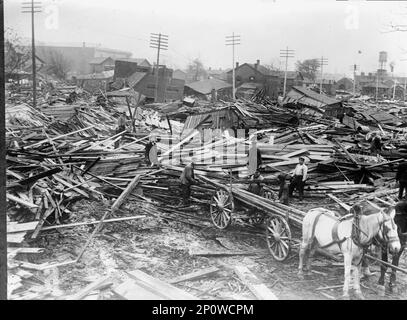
257 217
278 236
221 209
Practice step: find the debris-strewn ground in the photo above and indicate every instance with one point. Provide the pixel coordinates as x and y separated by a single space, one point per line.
163 250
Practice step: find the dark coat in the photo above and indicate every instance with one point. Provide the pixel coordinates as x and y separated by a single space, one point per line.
402 172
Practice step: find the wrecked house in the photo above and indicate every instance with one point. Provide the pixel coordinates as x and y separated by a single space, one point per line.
140 76
95 81
314 102
209 89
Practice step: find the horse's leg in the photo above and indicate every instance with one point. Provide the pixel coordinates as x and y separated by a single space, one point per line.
311 253
303 256
356 281
381 287
347 261
395 262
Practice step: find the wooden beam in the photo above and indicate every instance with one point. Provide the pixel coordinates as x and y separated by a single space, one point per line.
58 137
195 275
258 288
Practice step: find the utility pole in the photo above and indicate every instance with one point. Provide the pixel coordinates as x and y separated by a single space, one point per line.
355 67
394 81
33 7
233 41
286 53
377 85
323 62
160 42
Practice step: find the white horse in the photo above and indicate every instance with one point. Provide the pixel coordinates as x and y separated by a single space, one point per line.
349 236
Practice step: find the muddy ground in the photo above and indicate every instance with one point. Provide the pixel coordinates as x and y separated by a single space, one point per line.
165 249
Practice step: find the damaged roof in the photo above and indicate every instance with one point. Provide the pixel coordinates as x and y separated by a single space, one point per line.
206 86
308 97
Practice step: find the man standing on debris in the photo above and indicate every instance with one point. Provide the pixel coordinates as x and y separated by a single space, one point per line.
283 191
376 145
255 186
401 178
298 179
187 179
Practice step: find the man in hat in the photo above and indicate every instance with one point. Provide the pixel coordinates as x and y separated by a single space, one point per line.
187 179
298 178
401 178
256 186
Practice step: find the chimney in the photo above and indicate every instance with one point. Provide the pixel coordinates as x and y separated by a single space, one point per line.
257 64
237 64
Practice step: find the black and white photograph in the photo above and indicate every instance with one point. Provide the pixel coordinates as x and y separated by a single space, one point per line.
204 151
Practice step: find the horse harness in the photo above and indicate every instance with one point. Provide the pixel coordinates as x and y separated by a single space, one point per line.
355 233
334 234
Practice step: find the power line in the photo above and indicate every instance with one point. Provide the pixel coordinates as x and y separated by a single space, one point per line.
233 41
286 53
32 7
160 42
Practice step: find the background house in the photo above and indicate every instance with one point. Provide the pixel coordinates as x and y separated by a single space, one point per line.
101 64
256 73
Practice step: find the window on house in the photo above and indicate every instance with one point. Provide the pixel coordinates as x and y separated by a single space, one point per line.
238 78
252 78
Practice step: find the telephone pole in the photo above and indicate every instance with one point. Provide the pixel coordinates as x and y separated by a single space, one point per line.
233 41
354 78
286 53
160 42
33 7
323 62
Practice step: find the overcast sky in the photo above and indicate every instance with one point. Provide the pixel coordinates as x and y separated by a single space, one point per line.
197 29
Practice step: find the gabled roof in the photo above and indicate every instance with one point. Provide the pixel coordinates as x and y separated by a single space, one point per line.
261 69
140 61
99 60
308 97
206 86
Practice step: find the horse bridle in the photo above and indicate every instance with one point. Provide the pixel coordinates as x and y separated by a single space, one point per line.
384 229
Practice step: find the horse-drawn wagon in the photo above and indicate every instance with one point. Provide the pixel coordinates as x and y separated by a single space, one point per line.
227 201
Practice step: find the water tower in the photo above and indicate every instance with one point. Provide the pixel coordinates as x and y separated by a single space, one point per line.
382 59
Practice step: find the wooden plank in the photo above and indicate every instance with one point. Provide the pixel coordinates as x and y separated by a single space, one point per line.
67 184
88 289
70 225
114 208
131 290
21 201
19 227
123 196
195 275
342 204
171 292
258 288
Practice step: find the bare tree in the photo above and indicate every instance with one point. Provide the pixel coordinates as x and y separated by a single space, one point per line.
16 55
197 69
308 68
57 64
